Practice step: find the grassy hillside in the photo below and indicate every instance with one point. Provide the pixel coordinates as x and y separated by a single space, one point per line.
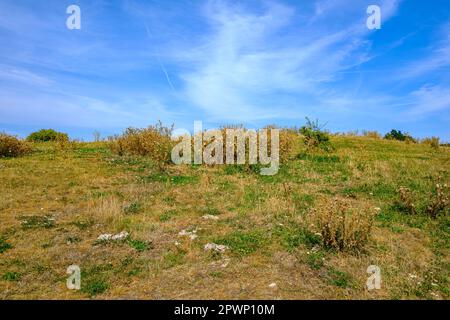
54 204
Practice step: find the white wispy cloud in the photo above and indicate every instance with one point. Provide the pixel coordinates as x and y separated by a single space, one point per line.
11 75
68 109
437 58
429 98
247 56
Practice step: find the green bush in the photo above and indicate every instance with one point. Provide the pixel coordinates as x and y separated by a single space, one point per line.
315 137
11 146
44 135
398 135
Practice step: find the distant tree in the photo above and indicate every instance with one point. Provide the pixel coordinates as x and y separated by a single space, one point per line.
398 135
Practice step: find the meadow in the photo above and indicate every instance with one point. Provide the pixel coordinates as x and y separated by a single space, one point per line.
308 232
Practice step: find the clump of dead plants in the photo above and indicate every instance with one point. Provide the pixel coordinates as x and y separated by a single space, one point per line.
406 200
343 224
11 146
154 142
437 202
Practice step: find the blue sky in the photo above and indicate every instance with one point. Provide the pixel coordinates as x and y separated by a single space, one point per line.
252 62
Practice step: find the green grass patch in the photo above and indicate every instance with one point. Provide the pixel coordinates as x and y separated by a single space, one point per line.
379 190
95 279
93 287
244 243
175 180
132 208
303 201
139 245
12 276
4 245
211 211
173 258
166 216
293 236
319 158
315 260
339 278
35 222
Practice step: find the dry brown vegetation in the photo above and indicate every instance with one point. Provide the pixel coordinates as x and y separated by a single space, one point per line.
153 142
433 142
343 224
11 146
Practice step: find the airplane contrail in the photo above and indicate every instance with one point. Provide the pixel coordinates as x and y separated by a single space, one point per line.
159 61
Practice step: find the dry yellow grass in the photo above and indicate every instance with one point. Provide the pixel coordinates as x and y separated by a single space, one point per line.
89 191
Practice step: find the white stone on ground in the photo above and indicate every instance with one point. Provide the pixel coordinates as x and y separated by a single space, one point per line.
210 217
114 237
191 234
216 247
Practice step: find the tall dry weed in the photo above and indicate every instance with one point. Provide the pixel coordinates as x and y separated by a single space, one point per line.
343 224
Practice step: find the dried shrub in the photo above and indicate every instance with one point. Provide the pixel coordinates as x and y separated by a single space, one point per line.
433 142
439 201
288 140
343 225
62 143
154 142
372 134
406 200
11 146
